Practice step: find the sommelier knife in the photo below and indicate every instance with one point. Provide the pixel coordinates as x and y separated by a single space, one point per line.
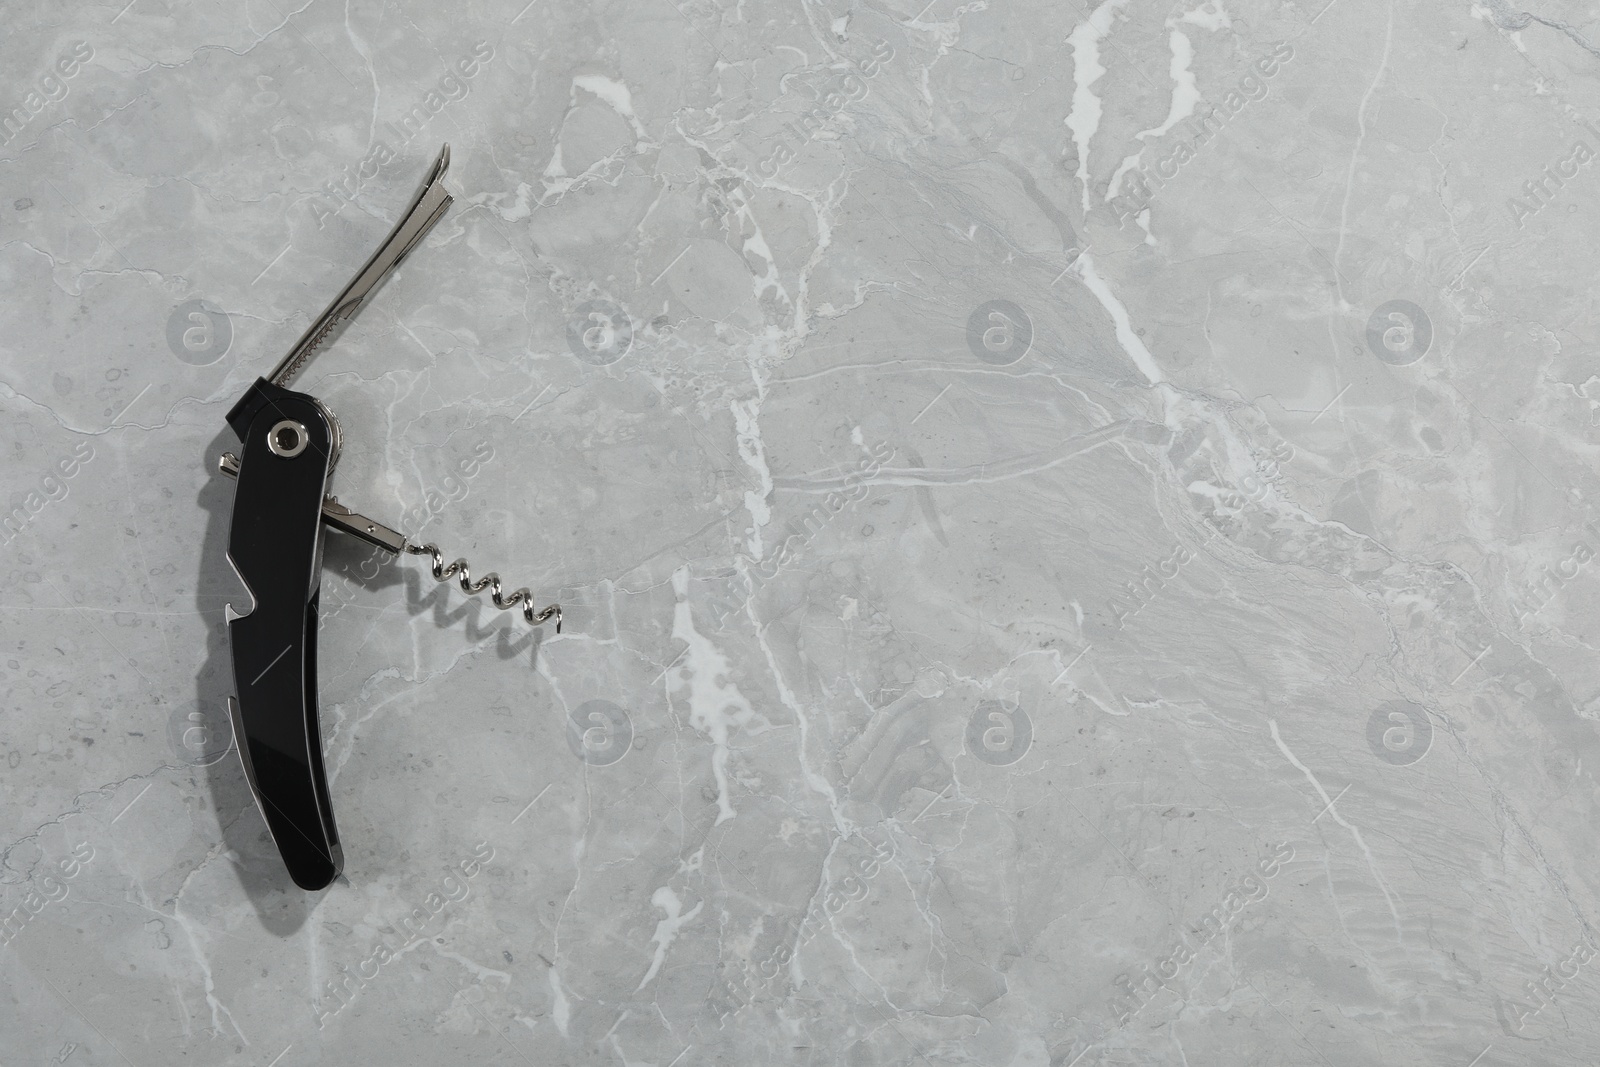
281 506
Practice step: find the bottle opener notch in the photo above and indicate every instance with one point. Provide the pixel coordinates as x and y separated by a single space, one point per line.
281 507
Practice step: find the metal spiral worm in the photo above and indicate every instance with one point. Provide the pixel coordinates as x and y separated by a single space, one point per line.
444 573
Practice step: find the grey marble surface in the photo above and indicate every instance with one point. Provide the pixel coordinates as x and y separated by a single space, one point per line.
1076 529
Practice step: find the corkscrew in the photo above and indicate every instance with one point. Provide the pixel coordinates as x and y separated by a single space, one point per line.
290 446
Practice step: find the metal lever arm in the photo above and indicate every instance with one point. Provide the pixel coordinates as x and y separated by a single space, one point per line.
430 202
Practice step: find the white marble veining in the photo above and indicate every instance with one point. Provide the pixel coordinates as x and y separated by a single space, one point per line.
1076 523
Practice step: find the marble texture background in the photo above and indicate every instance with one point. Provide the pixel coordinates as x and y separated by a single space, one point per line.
1076 526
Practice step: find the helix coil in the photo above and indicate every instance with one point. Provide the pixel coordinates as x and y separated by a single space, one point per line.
458 569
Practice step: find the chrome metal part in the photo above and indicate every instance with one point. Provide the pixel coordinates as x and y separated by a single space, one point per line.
458 569
338 517
287 439
426 207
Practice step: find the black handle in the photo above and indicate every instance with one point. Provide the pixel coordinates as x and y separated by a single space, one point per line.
275 543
